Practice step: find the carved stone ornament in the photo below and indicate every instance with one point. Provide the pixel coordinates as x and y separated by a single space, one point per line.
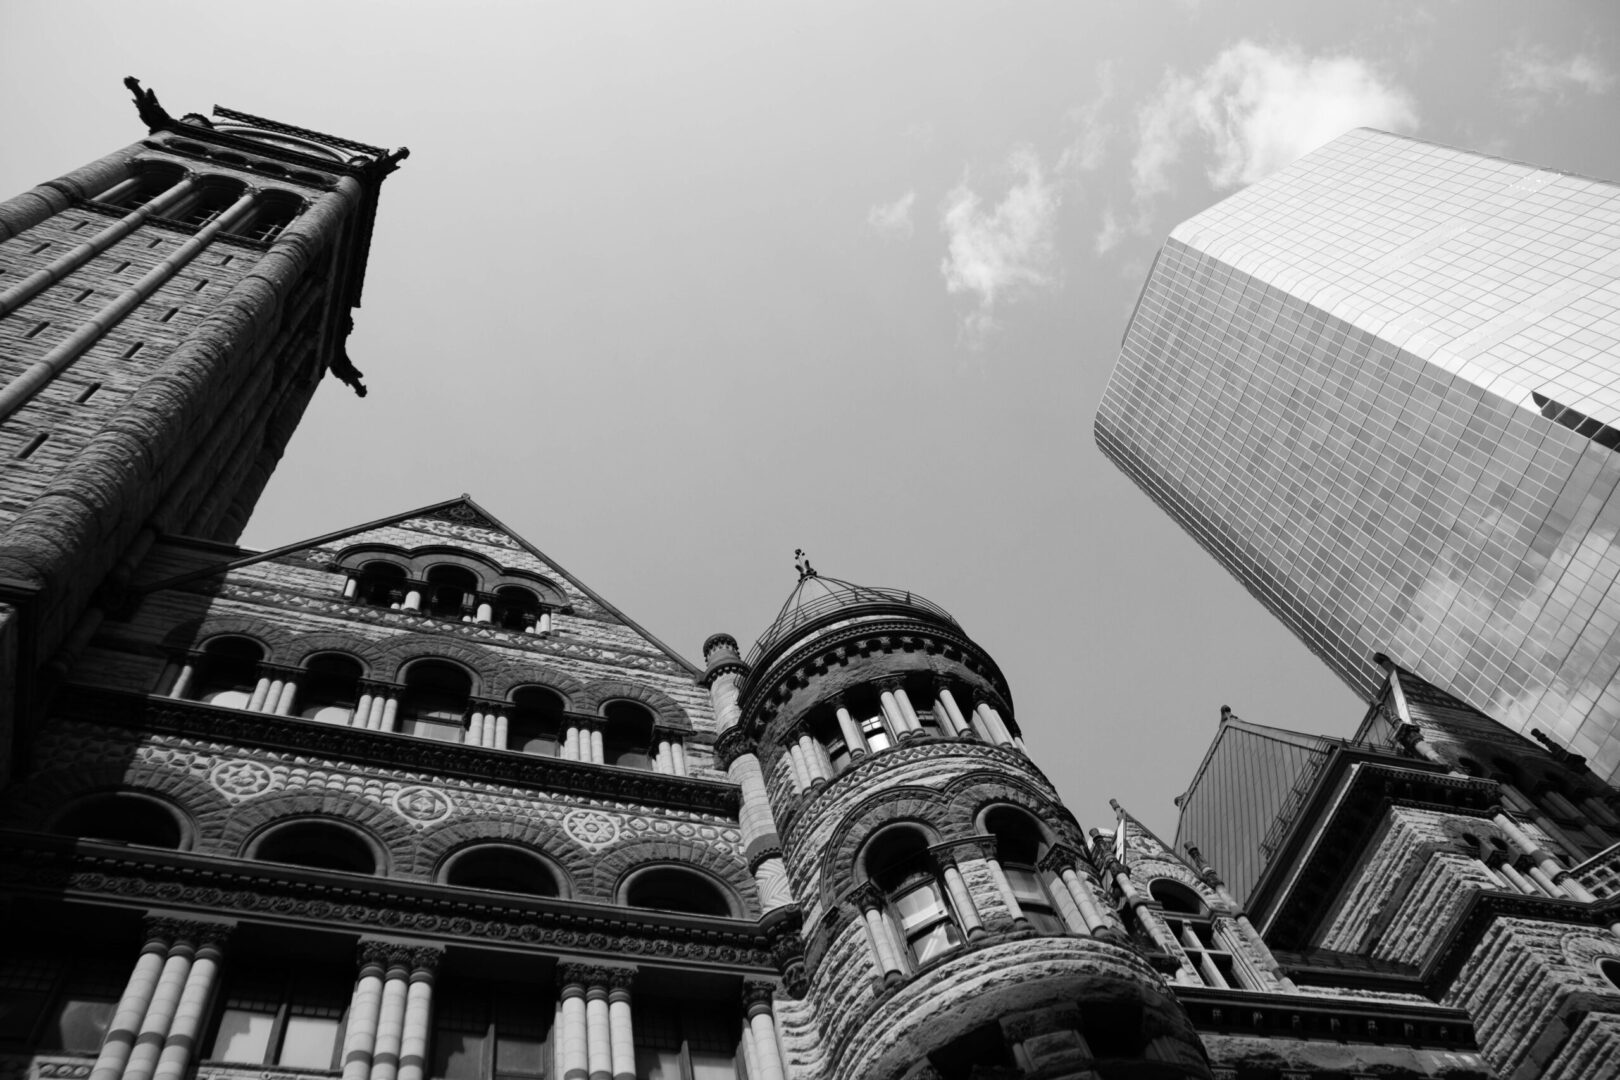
241 779
592 829
422 806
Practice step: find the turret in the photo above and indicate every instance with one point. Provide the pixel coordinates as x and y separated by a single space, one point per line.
950 916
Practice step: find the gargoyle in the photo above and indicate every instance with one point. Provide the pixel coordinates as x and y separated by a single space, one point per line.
153 115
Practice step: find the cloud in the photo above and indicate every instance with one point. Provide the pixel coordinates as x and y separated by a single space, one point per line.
1086 152
1531 73
892 221
1110 233
999 255
1255 109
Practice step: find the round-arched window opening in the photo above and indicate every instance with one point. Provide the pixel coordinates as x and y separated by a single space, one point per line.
627 742
1610 969
516 608
897 861
123 819
669 888
436 693
1018 837
212 197
452 592
318 845
1176 897
382 584
896 857
503 869
536 723
330 688
228 673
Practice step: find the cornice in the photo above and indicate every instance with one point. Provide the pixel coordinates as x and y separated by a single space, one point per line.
1482 908
54 867
770 687
389 750
1332 1019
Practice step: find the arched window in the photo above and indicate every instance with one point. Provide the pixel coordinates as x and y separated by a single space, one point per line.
329 688
452 592
151 180
1020 843
671 888
1610 969
516 608
435 705
536 724
503 869
898 862
122 818
274 212
627 741
213 197
1189 920
228 672
382 584
320 845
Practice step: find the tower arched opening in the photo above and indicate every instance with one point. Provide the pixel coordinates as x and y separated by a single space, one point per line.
435 702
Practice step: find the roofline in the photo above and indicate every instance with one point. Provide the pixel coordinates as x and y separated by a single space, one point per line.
325 538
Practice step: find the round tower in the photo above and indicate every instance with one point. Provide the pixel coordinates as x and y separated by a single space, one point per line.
951 919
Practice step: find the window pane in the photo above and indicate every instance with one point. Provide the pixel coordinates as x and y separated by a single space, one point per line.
658 1064
918 906
458 1055
329 714
80 1025
228 699
712 1066
1045 921
1026 884
930 943
518 1056
243 1036
310 1042
440 730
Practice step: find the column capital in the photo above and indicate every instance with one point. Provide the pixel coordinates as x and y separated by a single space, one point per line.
1061 857
193 933
867 897
376 686
757 996
386 955
619 979
890 683
588 977
951 852
731 745
835 701
425 961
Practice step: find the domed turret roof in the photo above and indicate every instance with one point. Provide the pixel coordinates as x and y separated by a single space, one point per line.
817 599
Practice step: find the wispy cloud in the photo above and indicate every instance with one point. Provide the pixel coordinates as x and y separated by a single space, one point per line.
1090 145
997 255
892 221
1255 109
1532 74
1110 233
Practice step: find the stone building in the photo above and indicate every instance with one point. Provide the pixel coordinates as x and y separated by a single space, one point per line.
409 801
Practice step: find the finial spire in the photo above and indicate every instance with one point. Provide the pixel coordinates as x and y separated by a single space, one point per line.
801 563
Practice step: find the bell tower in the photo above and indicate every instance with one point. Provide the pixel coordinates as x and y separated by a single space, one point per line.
952 922
166 313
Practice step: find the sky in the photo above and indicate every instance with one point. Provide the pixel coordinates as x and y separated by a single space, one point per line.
676 288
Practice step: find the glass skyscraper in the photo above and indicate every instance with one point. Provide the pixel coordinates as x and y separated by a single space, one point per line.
1382 387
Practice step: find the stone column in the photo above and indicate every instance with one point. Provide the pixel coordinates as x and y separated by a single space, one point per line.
1594 832
907 712
391 1017
129 1018
473 733
598 1034
569 749
351 586
797 768
1144 911
891 710
1052 865
1003 886
621 1035
961 896
182 681
413 1042
289 692
767 1054
485 612
360 1037
762 846
261 691
389 718
573 1042
816 765
954 712
993 724
678 748
178 1002
413 599
1541 860
598 755
851 732
886 949
195 1006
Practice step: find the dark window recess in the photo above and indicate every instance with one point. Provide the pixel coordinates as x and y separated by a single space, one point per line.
123 819
1578 422
46 1004
37 248
320 846
490 1031
202 284
125 265
33 444
39 328
225 260
88 392
171 313
79 226
129 353
687 1038
156 243
85 295
292 1019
